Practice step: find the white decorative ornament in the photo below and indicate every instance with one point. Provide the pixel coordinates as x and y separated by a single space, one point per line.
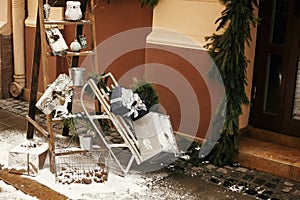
63 109
83 42
75 46
47 8
73 11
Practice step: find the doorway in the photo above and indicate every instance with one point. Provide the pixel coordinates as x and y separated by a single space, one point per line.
276 82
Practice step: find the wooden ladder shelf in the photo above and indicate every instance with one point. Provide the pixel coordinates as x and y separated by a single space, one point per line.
40 58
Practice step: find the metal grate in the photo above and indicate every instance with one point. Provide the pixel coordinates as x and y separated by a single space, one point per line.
85 167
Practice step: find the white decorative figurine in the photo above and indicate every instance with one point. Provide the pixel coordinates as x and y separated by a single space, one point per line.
75 46
73 11
47 8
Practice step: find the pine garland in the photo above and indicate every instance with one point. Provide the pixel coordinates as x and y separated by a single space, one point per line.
228 51
149 3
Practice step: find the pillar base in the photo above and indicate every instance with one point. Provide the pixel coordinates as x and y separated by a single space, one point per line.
15 89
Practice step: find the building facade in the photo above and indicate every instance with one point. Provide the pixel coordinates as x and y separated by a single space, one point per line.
181 26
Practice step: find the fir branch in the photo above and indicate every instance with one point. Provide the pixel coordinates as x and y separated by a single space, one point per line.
228 52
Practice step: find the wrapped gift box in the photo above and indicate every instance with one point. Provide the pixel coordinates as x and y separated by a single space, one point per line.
56 41
27 158
48 102
154 133
126 103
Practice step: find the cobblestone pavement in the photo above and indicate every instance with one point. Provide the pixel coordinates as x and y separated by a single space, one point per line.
251 182
256 184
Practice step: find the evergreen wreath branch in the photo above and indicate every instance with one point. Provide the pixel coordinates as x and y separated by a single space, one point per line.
228 52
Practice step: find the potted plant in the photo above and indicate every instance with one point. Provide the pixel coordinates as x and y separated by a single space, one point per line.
147 93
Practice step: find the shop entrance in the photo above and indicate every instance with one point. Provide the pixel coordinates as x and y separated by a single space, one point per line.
276 84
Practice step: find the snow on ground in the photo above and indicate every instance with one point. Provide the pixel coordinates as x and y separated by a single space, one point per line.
9 192
116 185
8 139
132 186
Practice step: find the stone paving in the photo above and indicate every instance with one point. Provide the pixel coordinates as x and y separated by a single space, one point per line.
256 184
251 182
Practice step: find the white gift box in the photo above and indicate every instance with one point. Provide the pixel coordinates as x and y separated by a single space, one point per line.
126 103
56 41
47 103
27 158
154 133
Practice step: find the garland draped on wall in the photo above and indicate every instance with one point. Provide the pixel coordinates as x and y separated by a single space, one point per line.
228 52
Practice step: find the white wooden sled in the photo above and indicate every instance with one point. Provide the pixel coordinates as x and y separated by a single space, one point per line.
143 139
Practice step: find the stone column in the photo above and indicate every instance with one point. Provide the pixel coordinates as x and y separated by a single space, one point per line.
18 17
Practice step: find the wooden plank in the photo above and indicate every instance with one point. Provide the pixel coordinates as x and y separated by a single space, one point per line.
34 78
70 53
65 22
44 61
82 53
62 3
38 127
92 38
69 152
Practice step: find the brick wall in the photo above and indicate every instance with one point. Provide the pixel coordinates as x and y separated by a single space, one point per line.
6 65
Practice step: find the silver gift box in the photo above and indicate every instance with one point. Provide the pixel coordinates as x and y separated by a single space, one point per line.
47 103
27 158
154 133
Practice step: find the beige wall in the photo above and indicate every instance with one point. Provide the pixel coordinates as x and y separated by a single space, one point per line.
5 17
195 19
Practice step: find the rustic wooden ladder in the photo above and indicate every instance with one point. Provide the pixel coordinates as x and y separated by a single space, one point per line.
41 55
